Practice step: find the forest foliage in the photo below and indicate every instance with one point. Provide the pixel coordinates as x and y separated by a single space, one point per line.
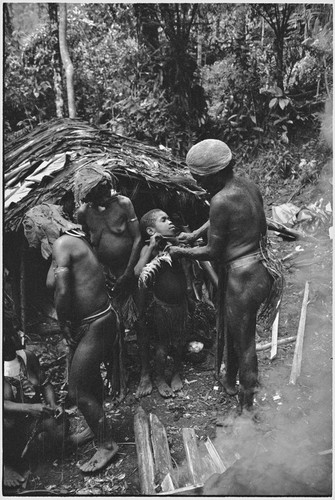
172 74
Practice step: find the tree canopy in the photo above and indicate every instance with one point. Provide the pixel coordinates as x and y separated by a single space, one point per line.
171 74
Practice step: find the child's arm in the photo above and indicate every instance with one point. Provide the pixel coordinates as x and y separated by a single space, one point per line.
146 254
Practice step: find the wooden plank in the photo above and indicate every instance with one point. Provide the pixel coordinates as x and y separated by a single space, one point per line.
216 459
297 358
194 489
160 446
267 345
192 454
274 339
167 484
144 454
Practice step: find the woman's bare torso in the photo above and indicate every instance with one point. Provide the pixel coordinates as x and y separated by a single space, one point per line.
110 236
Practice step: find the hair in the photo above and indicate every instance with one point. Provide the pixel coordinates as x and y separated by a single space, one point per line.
148 220
10 340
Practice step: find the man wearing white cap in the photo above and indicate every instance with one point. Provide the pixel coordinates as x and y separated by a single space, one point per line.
236 230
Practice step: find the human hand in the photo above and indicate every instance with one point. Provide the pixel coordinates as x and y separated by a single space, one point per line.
155 239
123 283
38 410
186 238
174 251
66 330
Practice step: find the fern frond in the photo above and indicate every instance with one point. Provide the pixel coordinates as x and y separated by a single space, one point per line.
149 271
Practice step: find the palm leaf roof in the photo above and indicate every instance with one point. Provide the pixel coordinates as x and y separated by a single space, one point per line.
39 167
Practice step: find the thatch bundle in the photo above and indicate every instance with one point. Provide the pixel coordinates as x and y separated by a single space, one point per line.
39 167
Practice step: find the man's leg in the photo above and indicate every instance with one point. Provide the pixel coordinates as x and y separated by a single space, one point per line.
160 364
247 289
176 382
86 388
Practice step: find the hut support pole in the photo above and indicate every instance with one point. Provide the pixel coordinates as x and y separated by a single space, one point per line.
23 288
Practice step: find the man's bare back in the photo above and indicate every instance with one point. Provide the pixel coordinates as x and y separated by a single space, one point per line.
237 218
88 292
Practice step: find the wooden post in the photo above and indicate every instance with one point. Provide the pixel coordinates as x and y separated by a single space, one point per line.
297 358
23 288
192 455
144 454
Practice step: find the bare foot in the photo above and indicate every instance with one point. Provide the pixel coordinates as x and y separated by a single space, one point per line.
80 438
163 388
100 459
176 383
11 478
145 387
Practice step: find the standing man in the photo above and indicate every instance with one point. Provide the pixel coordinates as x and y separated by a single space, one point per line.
87 321
236 235
111 222
90 326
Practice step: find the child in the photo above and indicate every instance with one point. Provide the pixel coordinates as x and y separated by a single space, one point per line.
169 304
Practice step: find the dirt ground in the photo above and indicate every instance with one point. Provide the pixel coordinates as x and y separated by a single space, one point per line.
292 420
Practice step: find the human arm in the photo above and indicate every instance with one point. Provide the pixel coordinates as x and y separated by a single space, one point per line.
50 282
194 235
81 217
35 370
217 234
134 231
11 408
62 296
146 254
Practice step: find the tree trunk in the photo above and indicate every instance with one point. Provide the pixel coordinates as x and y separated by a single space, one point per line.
66 60
56 60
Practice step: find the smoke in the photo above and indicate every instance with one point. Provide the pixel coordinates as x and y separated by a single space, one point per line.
279 452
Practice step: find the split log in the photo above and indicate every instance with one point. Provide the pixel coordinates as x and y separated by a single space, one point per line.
193 490
274 340
192 455
160 446
216 459
297 358
267 345
167 484
144 454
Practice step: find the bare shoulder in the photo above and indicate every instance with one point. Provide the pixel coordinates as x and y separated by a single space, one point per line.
124 202
83 208
66 243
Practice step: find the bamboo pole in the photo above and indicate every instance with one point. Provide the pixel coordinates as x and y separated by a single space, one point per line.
297 358
287 340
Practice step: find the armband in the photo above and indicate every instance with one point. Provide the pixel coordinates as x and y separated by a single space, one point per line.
60 269
133 220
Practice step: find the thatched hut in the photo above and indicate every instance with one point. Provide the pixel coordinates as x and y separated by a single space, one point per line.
39 167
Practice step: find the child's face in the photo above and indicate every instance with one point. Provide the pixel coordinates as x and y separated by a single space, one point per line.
163 225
